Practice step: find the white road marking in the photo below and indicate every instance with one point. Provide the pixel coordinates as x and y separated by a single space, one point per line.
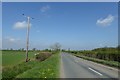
95 71
76 61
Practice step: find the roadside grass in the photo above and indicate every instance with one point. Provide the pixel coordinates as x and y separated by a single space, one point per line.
12 58
13 62
0 64
48 68
105 62
45 69
11 72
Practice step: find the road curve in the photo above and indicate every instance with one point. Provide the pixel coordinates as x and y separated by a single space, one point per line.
74 67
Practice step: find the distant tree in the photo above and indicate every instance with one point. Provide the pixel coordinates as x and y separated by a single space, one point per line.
63 50
118 46
68 49
46 50
34 49
56 46
7 49
11 48
22 49
106 47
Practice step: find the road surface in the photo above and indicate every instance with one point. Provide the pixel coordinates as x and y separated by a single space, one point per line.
74 67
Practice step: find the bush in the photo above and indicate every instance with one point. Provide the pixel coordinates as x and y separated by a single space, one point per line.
43 55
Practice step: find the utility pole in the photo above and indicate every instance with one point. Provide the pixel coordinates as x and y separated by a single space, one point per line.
27 35
27 38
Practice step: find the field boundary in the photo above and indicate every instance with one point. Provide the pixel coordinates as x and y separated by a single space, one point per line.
104 62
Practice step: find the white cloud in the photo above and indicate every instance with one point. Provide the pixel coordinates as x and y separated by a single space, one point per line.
20 25
12 42
16 43
106 21
45 8
11 39
38 31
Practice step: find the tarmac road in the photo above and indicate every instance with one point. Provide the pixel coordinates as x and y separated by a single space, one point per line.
74 67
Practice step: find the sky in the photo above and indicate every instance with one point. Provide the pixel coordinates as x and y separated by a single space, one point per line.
0 25
60 0
75 25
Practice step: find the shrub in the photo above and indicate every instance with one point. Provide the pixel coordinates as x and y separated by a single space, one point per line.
43 55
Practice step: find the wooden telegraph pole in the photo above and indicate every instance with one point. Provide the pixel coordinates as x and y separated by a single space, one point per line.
27 35
27 38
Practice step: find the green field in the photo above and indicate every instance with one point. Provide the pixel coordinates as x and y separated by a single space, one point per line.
14 65
10 58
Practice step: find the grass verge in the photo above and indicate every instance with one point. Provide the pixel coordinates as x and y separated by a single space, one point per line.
105 62
46 69
11 72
